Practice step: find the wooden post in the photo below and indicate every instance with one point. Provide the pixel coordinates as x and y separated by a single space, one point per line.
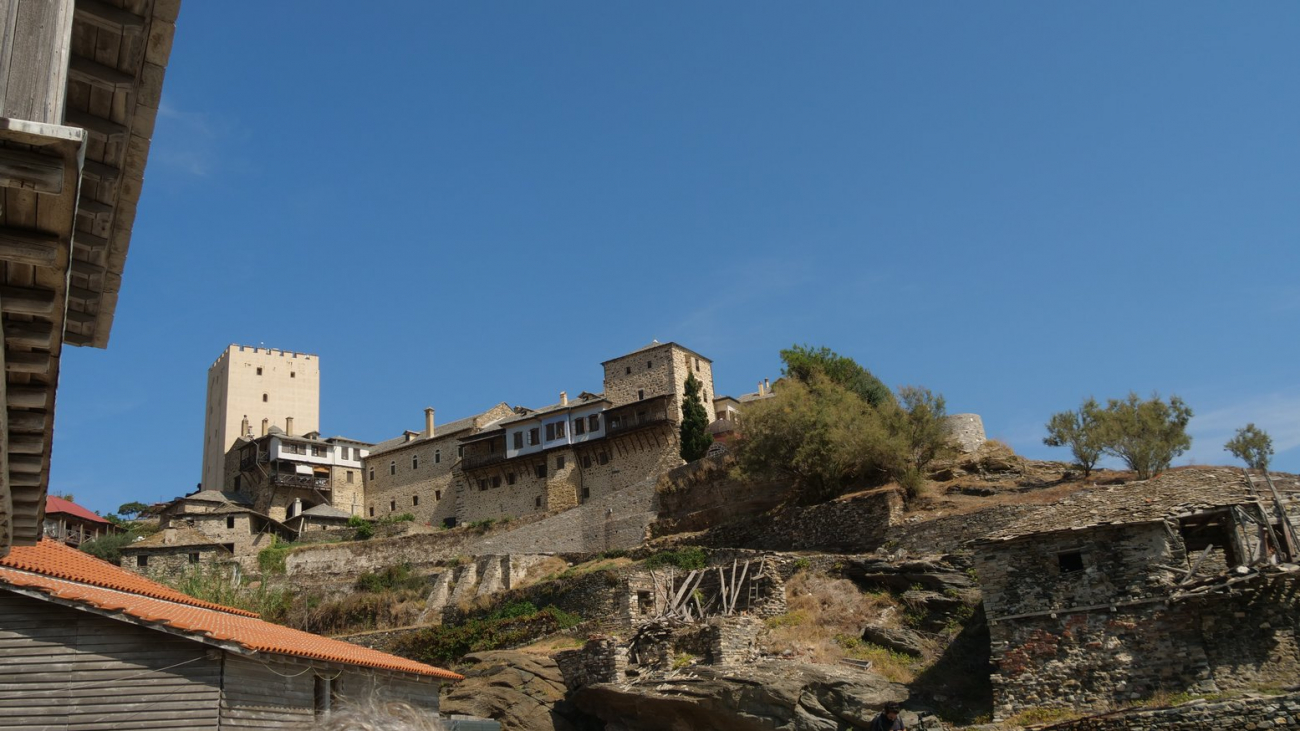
1288 530
36 38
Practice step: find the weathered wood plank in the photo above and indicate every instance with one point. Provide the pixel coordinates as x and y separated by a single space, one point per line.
26 301
32 334
16 362
26 246
31 170
33 421
108 17
97 74
96 125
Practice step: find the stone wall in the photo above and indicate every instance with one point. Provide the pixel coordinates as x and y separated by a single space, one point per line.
733 640
429 480
601 660
859 523
1068 569
172 562
1272 712
967 431
217 527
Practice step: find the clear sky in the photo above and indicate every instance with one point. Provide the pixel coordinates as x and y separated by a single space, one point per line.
455 204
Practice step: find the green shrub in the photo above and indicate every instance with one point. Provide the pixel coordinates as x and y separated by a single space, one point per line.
109 547
482 526
271 559
365 529
389 579
448 643
219 585
686 559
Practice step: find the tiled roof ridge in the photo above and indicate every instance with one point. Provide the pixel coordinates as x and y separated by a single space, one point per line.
55 560
56 504
249 632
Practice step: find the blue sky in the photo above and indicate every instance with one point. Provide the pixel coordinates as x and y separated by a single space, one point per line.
455 204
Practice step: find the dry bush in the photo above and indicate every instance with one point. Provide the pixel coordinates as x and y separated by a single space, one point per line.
820 609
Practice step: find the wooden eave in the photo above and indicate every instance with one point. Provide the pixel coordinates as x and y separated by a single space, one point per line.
71 171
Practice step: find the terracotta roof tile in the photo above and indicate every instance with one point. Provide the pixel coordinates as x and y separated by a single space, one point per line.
60 572
59 505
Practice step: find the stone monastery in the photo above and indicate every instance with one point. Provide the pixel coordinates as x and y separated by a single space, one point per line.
267 469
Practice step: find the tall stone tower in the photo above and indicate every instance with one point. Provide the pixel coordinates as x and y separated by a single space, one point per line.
250 390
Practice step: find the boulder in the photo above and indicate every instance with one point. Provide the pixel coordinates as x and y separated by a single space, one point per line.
518 689
895 638
768 695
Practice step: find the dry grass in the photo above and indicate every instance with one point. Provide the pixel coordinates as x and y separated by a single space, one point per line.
823 612
548 646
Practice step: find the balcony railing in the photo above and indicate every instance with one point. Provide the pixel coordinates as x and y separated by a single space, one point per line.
471 461
247 463
631 419
310 482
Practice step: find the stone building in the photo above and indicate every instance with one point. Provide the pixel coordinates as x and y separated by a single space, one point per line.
281 474
1182 583
513 462
248 386
204 527
413 473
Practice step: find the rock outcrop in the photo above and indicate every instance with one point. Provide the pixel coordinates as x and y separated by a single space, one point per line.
765 696
518 689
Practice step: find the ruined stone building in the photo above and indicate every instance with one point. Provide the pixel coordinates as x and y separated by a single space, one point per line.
201 528
1182 583
512 462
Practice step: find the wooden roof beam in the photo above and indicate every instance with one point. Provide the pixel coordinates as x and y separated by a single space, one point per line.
104 172
97 74
22 479
31 397
30 334
26 301
26 421
26 444
24 246
31 171
34 362
31 464
108 17
95 125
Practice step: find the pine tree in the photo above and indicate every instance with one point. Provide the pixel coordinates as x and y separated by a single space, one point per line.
695 436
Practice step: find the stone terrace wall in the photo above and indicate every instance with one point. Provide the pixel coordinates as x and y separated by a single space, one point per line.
1254 713
615 521
856 524
700 495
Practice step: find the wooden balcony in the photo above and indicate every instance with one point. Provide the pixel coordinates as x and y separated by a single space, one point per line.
309 482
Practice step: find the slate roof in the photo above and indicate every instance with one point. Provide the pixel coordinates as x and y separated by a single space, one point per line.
654 345
216 496
439 431
592 398
325 510
54 505
1174 492
71 577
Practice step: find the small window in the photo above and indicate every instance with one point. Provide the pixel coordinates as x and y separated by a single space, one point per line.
349 480
640 394
579 427
392 467
510 478
629 370
586 461
550 432
541 471
496 480
482 485
230 521
586 493
593 423
415 500
292 374
263 398
697 364
559 462
372 474
534 436
519 440
437 494
372 511
460 451
649 364
437 456
602 458
142 561
559 430
537 501
229 547
317 450
415 461
1070 561
194 556
392 506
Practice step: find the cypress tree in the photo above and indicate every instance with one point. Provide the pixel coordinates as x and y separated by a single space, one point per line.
695 437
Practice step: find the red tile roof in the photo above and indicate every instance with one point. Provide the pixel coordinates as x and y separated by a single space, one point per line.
59 505
69 575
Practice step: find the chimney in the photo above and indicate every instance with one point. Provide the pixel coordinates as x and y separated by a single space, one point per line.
296 508
767 387
243 426
428 422
760 388
564 398
288 425
169 536
265 424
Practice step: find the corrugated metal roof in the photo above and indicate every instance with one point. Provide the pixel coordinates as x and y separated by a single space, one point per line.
66 574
